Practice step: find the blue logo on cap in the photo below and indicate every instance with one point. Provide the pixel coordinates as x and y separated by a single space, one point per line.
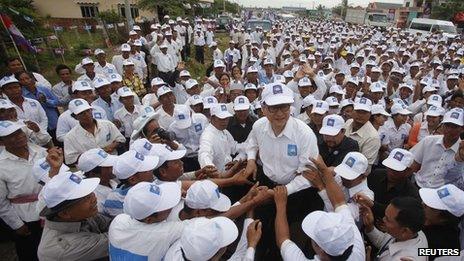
444 192
241 100
350 162
32 104
147 146
113 76
148 109
97 115
276 89
435 98
84 84
139 156
108 136
331 122
102 154
210 100
198 127
168 148
75 178
44 165
363 101
78 102
223 108
398 156
218 194
155 190
5 124
454 115
181 117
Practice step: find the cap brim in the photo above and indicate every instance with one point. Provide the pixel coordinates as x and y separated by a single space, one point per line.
310 222
331 131
149 163
223 115
241 107
393 164
183 124
223 204
278 99
176 154
229 230
455 122
430 198
109 161
361 108
83 109
347 173
318 110
136 132
170 196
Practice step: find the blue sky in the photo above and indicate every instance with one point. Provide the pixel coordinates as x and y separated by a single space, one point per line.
306 3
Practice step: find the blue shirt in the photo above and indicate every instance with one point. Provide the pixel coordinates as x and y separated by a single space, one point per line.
264 79
110 109
50 105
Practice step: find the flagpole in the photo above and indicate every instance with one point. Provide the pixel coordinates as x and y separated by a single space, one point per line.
14 44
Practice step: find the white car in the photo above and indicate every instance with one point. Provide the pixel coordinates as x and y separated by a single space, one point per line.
429 26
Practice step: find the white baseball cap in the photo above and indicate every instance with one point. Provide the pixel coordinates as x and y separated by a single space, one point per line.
279 78
353 81
132 32
184 73
376 70
447 197
127 62
162 91
140 123
252 69
86 61
194 100
320 107
354 164
454 116
204 237
219 63
81 86
157 81
137 43
250 86
125 92
136 28
6 104
398 159
190 83
288 74
182 118
332 101
41 169
100 82
125 48
220 110
98 51
209 102
404 85
363 104
8 127
67 186
435 100
377 87
434 111
332 125
131 162
336 89
277 93
329 230
268 61
204 194
7 80
379 109
304 82
241 103
145 198
213 43
398 108
115 77
95 158
428 88
77 106
308 101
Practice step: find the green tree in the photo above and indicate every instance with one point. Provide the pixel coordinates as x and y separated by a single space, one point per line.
110 17
344 6
446 11
172 7
337 10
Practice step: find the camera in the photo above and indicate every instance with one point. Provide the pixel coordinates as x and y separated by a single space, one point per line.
166 135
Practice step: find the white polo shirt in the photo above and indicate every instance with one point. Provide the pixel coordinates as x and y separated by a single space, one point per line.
217 148
78 140
436 162
66 122
285 155
128 238
127 119
17 180
190 137
291 252
105 70
32 111
163 118
395 137
165 62
62 92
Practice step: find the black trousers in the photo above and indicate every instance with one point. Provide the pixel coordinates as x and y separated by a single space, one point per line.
200 54
190 164
299 205
26 247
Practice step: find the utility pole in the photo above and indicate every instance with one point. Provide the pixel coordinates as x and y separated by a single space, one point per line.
129 20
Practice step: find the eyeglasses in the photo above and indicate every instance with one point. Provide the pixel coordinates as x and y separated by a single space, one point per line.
283 108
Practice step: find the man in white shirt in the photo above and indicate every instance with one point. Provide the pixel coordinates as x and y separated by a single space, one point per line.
89 75
89 133
14 65
62 90
217 53
120 58
285 147
126 115
436 157
231 54
396 129
199 42
188 127
102 66
146 222
165 63
164 114
216 143
19 190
